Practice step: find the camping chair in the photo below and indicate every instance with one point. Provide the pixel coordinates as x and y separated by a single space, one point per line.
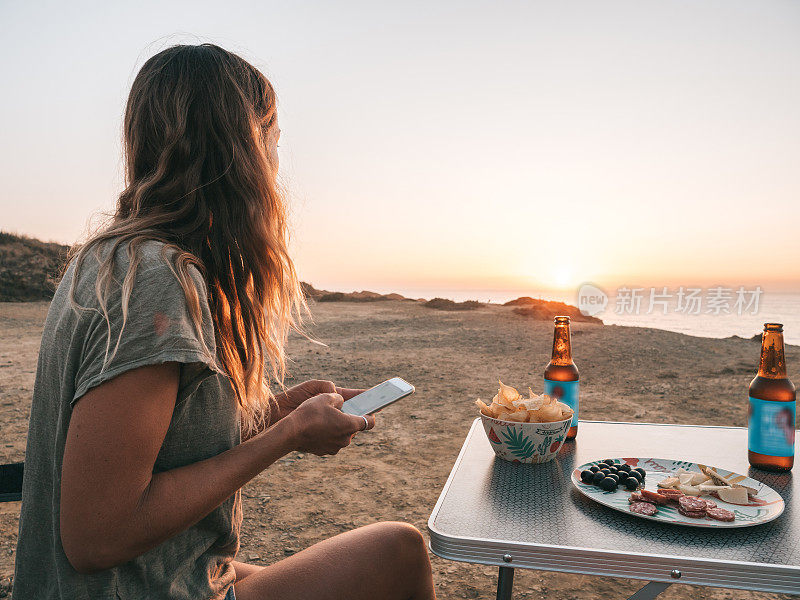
11 482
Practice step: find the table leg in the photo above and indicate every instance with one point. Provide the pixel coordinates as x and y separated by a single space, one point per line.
650 591
505 583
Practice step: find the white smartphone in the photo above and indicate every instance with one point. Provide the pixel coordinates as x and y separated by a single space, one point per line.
378 397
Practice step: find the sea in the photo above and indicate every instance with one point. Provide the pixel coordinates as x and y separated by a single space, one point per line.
706 312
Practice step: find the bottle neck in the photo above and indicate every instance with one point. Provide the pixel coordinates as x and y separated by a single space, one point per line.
773 362
562 346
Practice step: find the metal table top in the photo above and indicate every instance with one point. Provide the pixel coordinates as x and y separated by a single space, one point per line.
533 515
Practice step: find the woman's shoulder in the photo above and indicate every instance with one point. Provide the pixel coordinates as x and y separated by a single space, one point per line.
156 270
150 255
158 261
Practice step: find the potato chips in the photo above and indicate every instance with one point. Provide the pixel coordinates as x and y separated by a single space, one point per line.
510 405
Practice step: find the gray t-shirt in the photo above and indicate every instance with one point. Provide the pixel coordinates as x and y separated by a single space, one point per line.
193 565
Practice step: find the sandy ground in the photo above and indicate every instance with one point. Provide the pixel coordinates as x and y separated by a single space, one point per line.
397 470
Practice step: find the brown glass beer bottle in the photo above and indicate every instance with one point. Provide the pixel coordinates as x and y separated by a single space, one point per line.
561 375
771 411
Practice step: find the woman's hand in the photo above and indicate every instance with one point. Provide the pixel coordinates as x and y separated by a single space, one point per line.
295 396
322 428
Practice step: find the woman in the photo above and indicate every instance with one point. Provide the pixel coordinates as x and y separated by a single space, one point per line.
153 365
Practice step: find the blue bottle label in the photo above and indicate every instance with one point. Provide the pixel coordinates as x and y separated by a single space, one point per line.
566 392
770 427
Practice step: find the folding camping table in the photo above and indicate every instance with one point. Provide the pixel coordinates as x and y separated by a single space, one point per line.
512 515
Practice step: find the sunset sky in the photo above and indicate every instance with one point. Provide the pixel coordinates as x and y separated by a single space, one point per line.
442 145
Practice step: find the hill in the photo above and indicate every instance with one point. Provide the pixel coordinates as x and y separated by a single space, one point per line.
545 310
362 296
29 268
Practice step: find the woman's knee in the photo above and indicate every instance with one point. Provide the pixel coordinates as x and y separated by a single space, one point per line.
403 539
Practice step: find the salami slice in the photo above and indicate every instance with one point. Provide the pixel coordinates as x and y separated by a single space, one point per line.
643 508
654 497
670 493
692 503
635 497
720 514
710 503
692 514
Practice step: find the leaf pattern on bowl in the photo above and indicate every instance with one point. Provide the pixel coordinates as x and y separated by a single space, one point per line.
518 443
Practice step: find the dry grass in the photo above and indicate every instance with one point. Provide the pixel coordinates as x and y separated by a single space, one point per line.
445 304
29 268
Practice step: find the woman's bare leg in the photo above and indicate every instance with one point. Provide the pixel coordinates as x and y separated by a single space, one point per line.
243 569
384 560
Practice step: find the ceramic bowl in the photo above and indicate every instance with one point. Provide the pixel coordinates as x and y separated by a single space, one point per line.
530 443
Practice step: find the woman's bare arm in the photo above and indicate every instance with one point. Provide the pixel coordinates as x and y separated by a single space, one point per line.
113 507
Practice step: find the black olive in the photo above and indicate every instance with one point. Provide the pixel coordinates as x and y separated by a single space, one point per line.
641 472
631 483
605 471
626 468
586 476
598 477
636 475
613 469
609 461
594 469
608 484
623 477
613 476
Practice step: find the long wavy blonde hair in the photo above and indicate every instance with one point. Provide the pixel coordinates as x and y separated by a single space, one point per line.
200 179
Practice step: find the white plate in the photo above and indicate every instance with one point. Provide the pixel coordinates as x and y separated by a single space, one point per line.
767 505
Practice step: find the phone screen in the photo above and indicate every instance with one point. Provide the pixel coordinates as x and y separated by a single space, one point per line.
376 398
